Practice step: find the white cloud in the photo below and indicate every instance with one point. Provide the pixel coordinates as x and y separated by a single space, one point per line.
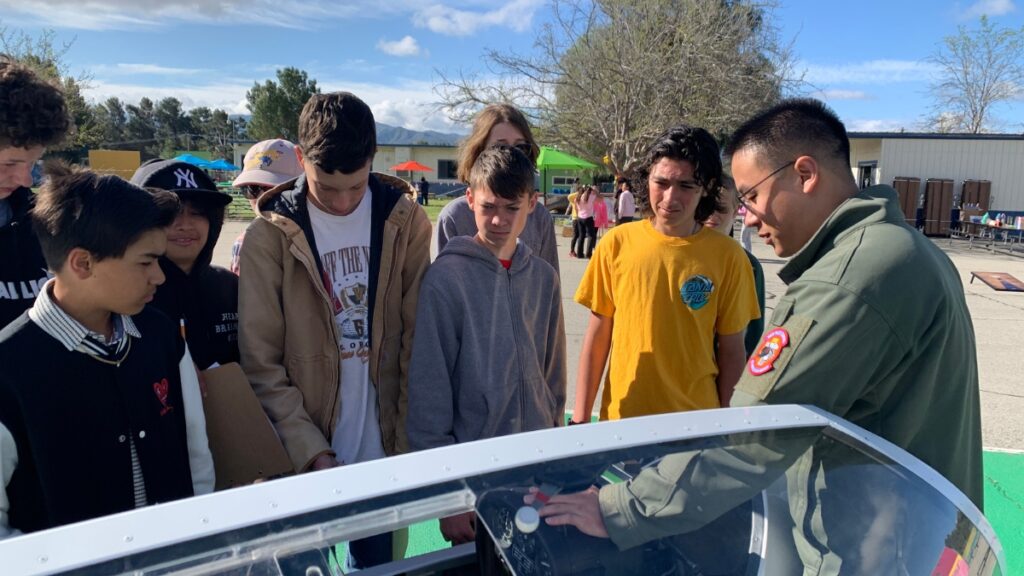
126 69
870 72
878 125
988 8
229 95
837 94
125 14
516 14
407 46
409 104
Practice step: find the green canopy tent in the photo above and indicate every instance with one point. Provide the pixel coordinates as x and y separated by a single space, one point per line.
557 160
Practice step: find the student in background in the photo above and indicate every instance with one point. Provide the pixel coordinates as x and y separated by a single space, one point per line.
33 115
202 295
723 221
497 124
92 416
470 378
267 164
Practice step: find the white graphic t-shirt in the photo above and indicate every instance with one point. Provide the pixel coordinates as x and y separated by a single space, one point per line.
344 246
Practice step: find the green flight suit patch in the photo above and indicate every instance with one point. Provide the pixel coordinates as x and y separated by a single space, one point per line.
777 347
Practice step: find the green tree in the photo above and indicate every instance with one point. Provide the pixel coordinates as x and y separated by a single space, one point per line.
172 126
606 76
112 120
978 70
275 106
140 131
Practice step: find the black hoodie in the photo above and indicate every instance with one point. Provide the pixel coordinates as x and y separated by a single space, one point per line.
22 267
207 298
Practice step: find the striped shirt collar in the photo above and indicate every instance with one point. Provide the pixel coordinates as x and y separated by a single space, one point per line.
53 320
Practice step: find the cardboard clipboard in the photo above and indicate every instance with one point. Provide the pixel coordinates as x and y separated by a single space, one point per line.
243 442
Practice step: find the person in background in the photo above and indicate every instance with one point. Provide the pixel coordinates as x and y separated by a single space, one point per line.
422 190
585 215
723 221
497 124
202 296
33 115
625 207
267 164
574 221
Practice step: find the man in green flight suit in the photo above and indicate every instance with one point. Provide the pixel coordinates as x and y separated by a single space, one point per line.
873 327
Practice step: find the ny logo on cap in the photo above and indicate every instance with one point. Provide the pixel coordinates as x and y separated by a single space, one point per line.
186 178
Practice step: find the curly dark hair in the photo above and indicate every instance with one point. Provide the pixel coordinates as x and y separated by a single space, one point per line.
32 109
698 147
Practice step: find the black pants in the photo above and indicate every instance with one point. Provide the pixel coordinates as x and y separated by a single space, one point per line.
577 236
588 235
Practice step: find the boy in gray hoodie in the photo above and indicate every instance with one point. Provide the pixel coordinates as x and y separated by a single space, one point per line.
488 357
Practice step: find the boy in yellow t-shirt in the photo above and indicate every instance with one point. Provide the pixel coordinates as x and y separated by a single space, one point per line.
661 289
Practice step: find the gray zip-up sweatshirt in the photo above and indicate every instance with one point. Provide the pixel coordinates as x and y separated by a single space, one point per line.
488 357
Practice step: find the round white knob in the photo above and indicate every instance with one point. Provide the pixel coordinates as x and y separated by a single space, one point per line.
527 519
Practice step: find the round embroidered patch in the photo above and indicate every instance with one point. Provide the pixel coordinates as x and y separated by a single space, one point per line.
763 360
696 291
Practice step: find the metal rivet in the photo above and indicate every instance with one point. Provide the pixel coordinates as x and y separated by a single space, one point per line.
129 538
142 434
121 438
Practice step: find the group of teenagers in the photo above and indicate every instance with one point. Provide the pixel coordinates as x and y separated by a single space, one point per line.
359 347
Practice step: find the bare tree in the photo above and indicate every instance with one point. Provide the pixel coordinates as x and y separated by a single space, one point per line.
606 76
978 69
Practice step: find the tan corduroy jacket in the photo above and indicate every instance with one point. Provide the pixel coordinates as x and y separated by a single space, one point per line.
288 336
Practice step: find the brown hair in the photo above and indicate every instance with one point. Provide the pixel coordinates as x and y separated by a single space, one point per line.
485 121
32 109
337 132
503 170
78 208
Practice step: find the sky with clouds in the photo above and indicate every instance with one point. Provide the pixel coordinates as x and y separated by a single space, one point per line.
866 59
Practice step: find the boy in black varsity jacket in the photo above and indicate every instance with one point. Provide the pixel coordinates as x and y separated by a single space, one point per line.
92 415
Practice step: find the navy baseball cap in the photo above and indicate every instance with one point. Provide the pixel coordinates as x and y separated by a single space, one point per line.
189 182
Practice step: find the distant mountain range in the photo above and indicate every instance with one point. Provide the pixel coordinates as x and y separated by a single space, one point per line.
395 135
398 136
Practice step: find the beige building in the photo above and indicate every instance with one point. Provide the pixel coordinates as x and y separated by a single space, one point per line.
879 157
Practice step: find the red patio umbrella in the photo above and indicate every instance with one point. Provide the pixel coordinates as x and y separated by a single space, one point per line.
411 166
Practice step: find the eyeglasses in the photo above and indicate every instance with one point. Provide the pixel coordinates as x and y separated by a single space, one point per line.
525 147
253 191
742 198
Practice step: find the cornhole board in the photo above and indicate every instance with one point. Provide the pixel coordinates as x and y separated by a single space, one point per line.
244 444
1000 281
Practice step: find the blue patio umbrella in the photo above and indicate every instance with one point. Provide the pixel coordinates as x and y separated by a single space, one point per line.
194 160
222 165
